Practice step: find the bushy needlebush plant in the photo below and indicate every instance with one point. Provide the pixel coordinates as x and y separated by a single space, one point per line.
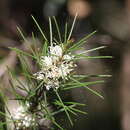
54 74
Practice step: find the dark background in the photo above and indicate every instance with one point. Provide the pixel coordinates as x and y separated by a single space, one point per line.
111 18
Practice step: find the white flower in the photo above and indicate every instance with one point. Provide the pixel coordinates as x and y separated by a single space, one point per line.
39 75
48 86
46 61
64 70
67 57
54 72
56 51
22 118
55 67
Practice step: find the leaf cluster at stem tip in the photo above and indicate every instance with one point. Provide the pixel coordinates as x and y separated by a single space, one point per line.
35 92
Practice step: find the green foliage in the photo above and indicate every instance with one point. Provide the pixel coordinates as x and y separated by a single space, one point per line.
36 94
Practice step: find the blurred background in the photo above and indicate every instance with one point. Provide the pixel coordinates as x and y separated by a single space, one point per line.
111 18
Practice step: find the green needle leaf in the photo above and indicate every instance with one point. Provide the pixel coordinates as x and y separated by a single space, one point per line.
39 28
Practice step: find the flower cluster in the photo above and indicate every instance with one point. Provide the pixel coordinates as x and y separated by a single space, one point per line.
23 119
55 66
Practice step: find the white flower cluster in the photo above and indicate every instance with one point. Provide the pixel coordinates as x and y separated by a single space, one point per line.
23 120
55 66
